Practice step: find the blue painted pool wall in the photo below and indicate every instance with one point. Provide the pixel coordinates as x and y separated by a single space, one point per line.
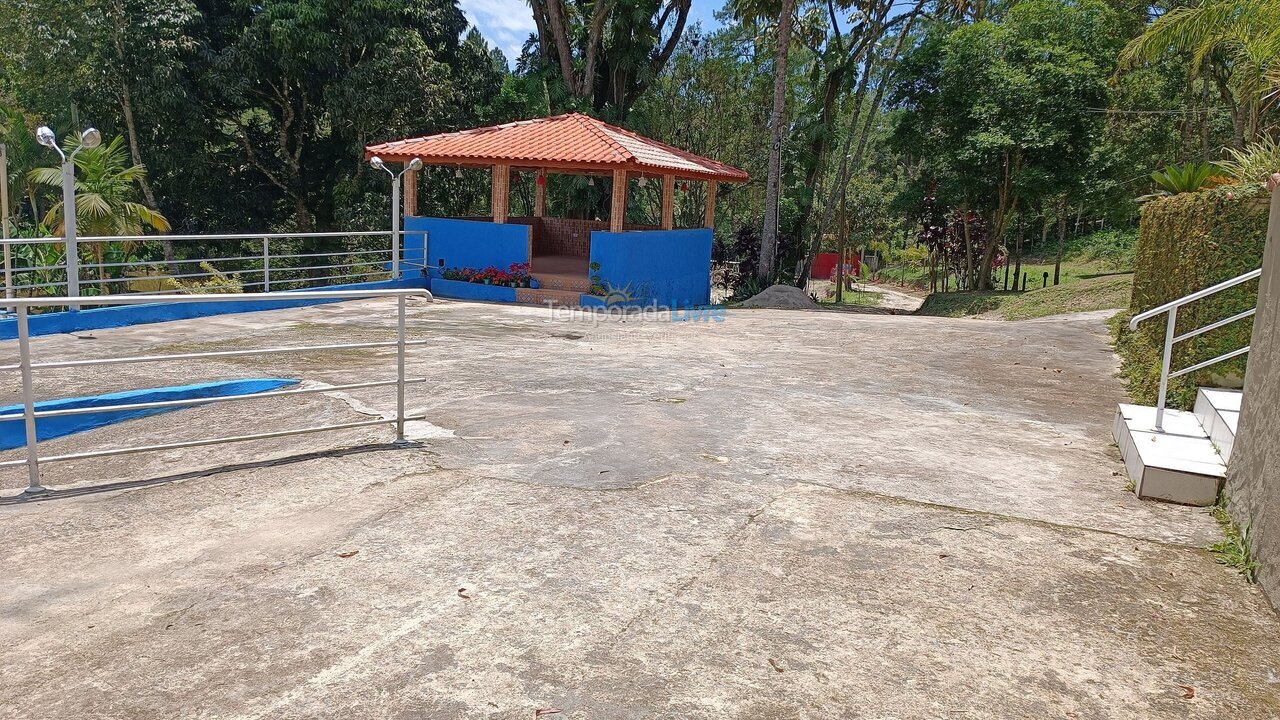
671 268
464 243
123 315
459 290
13 432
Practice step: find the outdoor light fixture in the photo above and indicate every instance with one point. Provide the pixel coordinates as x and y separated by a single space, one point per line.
413 165
591 181
457 172
90 139
642 181
45 137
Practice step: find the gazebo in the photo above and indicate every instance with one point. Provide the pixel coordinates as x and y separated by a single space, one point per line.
573 261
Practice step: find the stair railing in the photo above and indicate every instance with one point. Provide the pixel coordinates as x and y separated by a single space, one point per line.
1171 338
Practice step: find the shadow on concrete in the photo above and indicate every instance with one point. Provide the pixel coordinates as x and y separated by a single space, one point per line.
52 494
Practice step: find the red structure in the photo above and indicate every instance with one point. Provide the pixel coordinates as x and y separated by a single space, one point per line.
824 266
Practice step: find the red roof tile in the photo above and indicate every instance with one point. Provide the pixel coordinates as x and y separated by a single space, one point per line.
560 142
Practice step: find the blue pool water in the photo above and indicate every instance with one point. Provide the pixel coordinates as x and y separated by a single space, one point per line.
13 433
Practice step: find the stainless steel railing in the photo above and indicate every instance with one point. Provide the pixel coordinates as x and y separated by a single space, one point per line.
42 267
27 367
1171 337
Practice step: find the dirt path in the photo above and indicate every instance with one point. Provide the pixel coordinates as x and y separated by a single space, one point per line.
770 515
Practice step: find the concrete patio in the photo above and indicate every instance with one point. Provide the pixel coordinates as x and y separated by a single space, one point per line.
786 514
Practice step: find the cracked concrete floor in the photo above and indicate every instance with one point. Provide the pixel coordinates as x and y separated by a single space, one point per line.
781 515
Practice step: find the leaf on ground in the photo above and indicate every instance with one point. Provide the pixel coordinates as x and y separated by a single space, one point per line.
1188 691
348 553
462 593
775 665
547 711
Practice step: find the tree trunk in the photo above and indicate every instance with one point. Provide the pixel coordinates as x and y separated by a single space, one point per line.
1062 239
769 237
968 251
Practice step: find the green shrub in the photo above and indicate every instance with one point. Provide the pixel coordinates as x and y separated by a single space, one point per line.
1185 243
1113 249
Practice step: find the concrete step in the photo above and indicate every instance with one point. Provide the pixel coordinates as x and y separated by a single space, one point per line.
543 296
558 281
1179 465
1218 412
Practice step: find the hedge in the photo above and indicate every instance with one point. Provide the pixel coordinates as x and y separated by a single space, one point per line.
1187 242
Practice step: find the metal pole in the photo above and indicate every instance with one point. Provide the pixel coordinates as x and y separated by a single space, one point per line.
28 404
1164 367
4 220
69 229
400 371
395 226
266 265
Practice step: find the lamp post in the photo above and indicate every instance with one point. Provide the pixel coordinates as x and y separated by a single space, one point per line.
414 165
90 138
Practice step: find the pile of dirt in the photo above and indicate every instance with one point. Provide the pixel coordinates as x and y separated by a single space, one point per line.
783 297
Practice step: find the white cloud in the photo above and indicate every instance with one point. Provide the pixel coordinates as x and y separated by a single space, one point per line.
504 23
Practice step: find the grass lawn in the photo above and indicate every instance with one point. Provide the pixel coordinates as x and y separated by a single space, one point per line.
853 297
1081 294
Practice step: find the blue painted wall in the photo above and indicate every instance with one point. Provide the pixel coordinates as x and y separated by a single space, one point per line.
471 291
123 315
13 431
671 268
465 243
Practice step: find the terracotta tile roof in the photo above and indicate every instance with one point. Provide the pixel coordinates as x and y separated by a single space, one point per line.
561 142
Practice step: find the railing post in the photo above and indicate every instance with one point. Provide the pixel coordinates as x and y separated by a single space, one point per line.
266 265
28 403
69 229
1169 332
400 370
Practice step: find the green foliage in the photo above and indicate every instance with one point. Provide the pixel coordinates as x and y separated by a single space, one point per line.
1256 163
105 192
1240 38
1112 249
1188 177
1233 550
1185 243
998 111
1104 293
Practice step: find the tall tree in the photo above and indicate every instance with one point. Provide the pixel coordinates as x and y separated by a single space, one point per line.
607 52
999 111
1233 43
777 128
299 85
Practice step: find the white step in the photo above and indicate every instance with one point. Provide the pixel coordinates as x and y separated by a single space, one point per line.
1218 412
1178 465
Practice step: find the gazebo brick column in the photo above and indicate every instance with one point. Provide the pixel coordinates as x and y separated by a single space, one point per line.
709 213
668 201
410 193
618 208
500 199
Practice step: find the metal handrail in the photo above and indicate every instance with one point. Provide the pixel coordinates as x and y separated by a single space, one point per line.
1171 337
27 368
77 273
1197 295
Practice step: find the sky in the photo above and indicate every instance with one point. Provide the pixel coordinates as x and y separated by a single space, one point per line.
506 23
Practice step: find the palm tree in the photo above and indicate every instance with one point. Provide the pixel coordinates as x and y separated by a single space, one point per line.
756 10
24 153
104 198
1240 36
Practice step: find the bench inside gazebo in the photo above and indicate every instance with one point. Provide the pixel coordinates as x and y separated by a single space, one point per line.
587 262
